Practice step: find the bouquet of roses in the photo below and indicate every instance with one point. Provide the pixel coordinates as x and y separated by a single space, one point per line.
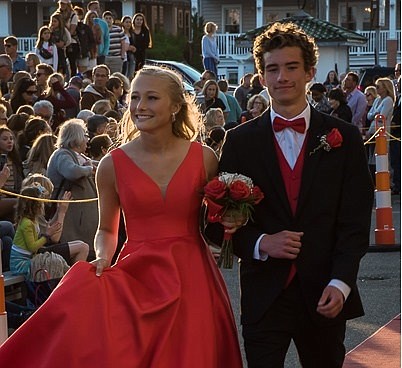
230 195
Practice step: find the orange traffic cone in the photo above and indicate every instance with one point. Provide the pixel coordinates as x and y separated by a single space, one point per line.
384 231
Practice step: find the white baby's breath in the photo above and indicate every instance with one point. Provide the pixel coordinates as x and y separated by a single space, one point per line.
228 178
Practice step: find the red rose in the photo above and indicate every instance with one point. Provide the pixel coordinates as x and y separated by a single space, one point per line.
334 138
239 190
215 189
258 195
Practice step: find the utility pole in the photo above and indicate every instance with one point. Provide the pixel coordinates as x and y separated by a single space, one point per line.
378 11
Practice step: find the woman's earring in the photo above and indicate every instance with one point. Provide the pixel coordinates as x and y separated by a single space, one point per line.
173 117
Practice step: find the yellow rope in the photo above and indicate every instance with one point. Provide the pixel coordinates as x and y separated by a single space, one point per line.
393 138
49 200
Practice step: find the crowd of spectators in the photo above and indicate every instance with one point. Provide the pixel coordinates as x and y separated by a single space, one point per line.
66 104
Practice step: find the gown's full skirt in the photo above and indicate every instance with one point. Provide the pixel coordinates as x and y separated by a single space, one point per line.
162 305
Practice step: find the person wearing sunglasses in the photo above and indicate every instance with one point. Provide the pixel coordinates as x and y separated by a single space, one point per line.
43 71
11 47
24 93
6 73
371 94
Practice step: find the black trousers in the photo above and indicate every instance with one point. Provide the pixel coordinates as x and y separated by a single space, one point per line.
267 342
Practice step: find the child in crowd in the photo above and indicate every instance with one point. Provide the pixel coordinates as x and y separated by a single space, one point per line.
27 239
45 48
72 251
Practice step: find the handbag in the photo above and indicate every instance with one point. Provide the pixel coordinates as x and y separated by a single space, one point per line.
47 269
46 54
39 291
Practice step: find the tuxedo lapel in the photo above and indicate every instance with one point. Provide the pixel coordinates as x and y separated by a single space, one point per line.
266 143
316 129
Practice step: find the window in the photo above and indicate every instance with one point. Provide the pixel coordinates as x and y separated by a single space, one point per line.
231 19
348 17
180 18
187 23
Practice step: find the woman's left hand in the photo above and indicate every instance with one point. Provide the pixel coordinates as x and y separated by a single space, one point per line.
100 264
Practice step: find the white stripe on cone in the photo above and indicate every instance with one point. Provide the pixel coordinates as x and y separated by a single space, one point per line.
381 163
383 198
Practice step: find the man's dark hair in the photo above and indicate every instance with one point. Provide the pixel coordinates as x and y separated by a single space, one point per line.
278 36
12 40
338 95
319 87
107 13
223 85
211 74
354 76
48 69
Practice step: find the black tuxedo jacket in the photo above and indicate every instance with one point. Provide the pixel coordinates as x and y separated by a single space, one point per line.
334 212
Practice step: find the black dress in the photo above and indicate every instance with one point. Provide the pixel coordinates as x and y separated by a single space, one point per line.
141 43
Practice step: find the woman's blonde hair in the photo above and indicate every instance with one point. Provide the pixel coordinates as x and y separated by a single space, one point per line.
188 119
210 27
372 90
40 152
49 89
34 57
30 208
210 118
44 181
388 85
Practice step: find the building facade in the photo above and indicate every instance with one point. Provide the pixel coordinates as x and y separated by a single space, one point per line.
23 18
377 20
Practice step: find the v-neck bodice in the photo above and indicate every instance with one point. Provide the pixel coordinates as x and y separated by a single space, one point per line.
149 214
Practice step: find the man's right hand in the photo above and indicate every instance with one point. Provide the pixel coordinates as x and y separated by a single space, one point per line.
285 244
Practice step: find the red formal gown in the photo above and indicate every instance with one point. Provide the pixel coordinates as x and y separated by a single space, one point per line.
163 304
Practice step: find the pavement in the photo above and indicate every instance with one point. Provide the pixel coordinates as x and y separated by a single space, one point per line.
379 282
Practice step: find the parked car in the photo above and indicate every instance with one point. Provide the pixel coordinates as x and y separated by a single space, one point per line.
189 74
368 76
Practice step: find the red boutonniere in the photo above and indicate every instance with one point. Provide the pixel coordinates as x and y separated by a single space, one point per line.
333 139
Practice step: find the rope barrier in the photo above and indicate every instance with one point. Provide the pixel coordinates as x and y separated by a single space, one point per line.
48 200
371 140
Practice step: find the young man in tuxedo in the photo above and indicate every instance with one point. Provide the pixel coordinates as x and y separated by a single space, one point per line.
300 255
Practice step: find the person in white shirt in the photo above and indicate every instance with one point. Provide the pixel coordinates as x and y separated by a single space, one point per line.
299 256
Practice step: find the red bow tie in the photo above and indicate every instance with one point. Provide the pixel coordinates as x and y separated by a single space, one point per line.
298 125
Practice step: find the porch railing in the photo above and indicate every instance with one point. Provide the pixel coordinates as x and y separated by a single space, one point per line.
227 44
228 48
369 47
